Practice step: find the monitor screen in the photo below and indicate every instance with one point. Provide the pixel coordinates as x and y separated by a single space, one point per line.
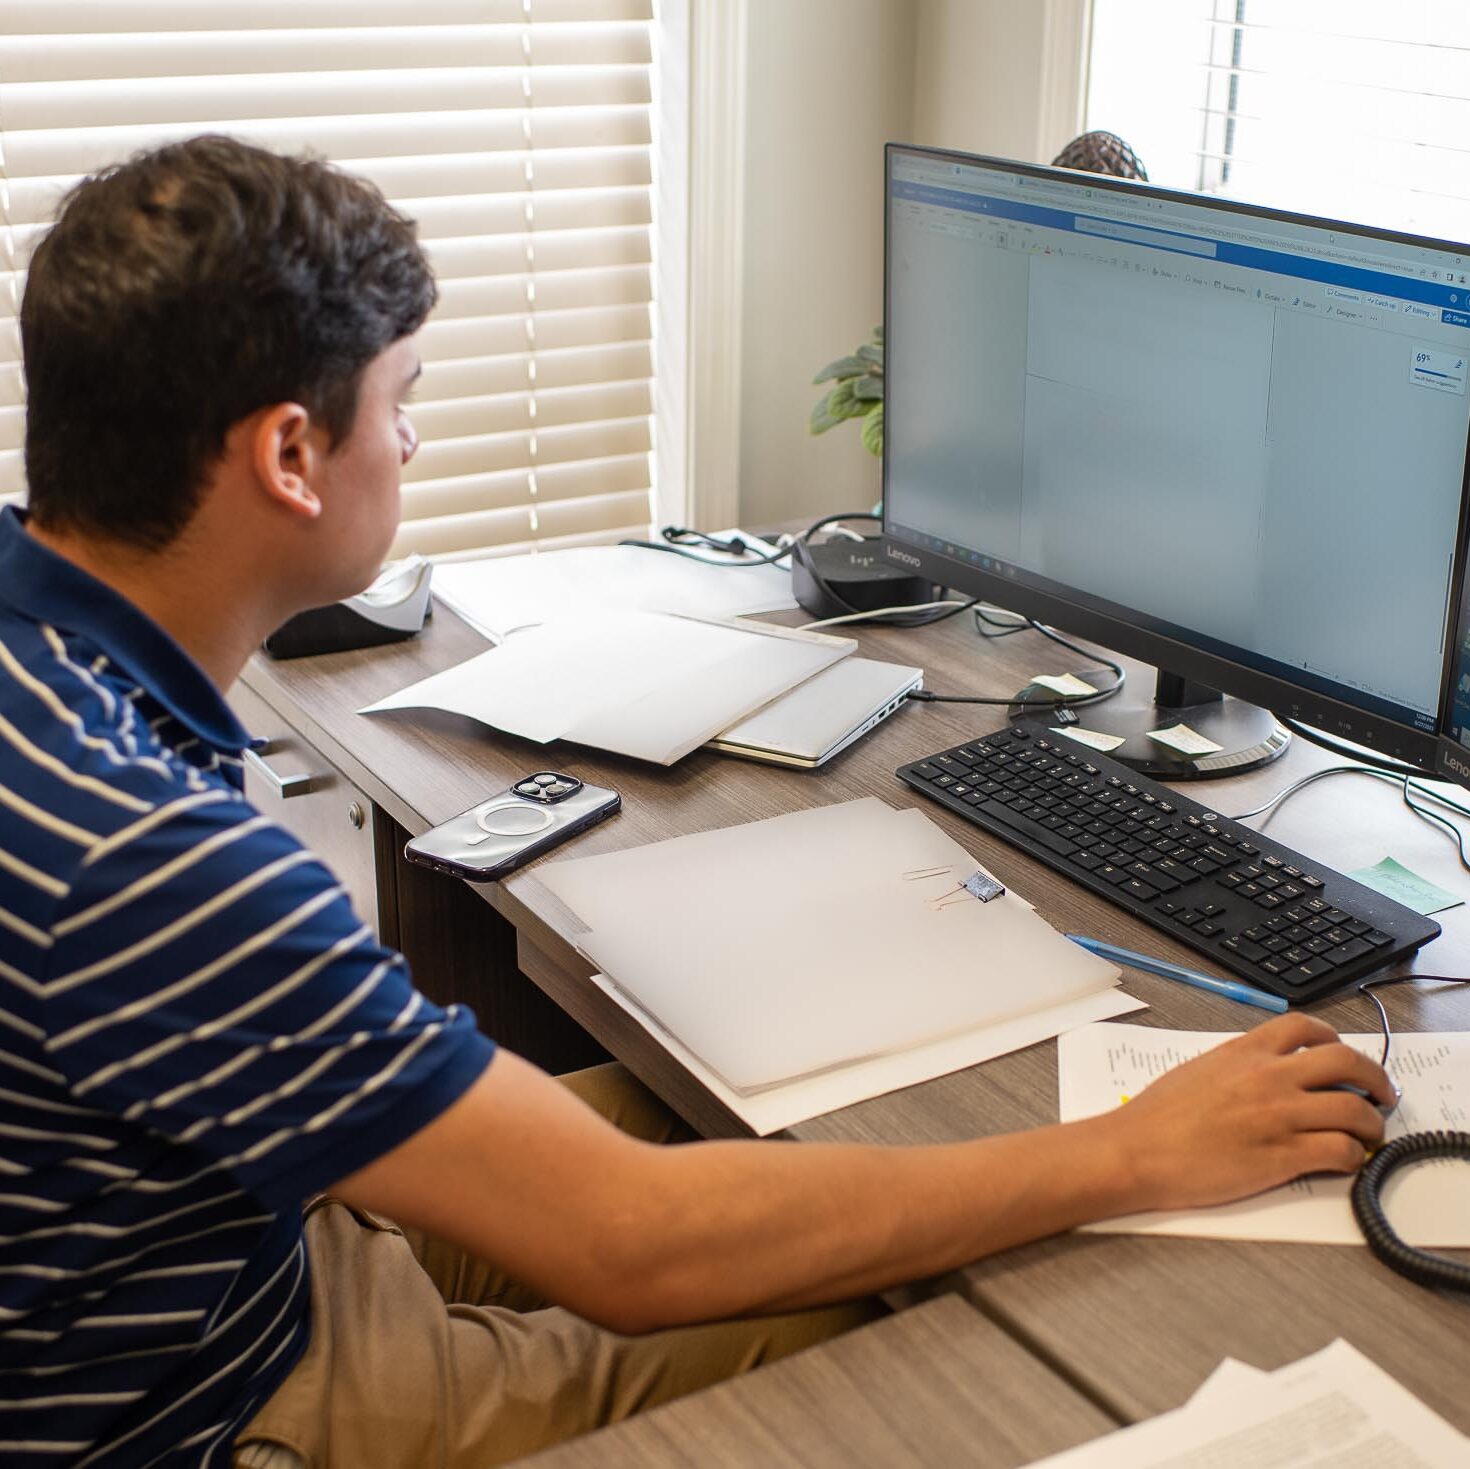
1226 440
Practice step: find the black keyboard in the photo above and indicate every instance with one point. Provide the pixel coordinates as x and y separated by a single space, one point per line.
1280 920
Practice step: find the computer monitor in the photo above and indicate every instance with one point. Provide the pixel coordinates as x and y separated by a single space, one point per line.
1228 441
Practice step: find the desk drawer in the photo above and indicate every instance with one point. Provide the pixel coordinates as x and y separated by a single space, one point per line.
295 785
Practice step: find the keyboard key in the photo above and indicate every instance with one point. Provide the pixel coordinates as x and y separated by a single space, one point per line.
1140 890
1245 948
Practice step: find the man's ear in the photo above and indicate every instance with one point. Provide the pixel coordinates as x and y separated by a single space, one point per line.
286 459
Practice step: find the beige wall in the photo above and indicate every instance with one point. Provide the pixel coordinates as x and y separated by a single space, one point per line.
829 82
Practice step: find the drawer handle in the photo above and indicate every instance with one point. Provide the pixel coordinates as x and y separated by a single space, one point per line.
285 786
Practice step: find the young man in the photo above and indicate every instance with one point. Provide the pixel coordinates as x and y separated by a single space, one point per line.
197 1035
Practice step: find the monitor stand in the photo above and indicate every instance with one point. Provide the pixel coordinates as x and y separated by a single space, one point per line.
1247 736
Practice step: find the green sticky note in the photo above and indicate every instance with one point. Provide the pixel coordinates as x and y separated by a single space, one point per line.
1395 881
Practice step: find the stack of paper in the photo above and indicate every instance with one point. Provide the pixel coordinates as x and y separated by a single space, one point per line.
1100 1066
501 593
776 952
644 684
1333 1410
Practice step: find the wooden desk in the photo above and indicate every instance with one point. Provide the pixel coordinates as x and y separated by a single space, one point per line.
1138 1321
936 1384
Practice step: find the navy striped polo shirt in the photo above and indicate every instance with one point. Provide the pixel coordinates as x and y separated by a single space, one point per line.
196 1033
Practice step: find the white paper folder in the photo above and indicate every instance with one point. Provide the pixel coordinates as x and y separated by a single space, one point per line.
854 955
652 685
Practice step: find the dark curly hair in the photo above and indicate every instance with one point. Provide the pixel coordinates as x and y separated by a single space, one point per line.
179 292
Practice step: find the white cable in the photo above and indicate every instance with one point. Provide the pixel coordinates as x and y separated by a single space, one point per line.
881 612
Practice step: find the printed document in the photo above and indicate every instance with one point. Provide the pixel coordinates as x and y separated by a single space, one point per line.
1100 1067
1333 1410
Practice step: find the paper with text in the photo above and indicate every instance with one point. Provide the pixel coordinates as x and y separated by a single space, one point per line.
1100 1066
1333 1410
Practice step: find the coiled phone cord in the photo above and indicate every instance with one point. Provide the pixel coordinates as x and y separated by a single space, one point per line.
1421 1266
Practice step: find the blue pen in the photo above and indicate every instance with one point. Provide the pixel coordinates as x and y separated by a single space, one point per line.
1246 994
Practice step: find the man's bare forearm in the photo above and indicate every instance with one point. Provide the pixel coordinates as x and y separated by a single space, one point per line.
730 1228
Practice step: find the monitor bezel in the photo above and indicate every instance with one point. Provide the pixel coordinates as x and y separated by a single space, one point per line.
1424 748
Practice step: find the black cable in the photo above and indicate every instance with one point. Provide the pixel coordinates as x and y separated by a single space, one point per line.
1438 820
1407 788
1423 1267
673 549
1061 701
1350 752
1007 629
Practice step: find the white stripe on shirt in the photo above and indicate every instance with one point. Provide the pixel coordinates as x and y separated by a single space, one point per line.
157 875
89 783
156 817
159 937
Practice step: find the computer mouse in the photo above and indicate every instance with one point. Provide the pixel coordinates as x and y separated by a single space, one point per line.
1384 1109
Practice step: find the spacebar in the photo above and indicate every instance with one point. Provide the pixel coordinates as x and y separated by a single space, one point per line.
1024 826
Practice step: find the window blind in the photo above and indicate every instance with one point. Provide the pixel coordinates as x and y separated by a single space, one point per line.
1348 108
517 134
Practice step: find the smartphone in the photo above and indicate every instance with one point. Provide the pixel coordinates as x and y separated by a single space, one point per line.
513 826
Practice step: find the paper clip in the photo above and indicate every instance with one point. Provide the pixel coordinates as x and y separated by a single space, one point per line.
978 885
920 872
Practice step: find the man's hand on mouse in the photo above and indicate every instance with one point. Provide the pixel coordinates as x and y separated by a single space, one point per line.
1255 1112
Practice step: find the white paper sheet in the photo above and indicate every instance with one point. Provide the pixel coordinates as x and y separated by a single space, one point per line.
1333 1410
1429 1204
501 593
777 1107
645 684
853 959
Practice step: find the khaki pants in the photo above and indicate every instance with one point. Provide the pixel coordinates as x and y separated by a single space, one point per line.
421 1355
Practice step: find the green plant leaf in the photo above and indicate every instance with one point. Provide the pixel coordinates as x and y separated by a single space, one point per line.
842 367
843 402
871 353
878 332
821 420
873 431
868 389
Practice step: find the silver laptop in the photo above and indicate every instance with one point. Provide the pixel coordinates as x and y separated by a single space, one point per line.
808 726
